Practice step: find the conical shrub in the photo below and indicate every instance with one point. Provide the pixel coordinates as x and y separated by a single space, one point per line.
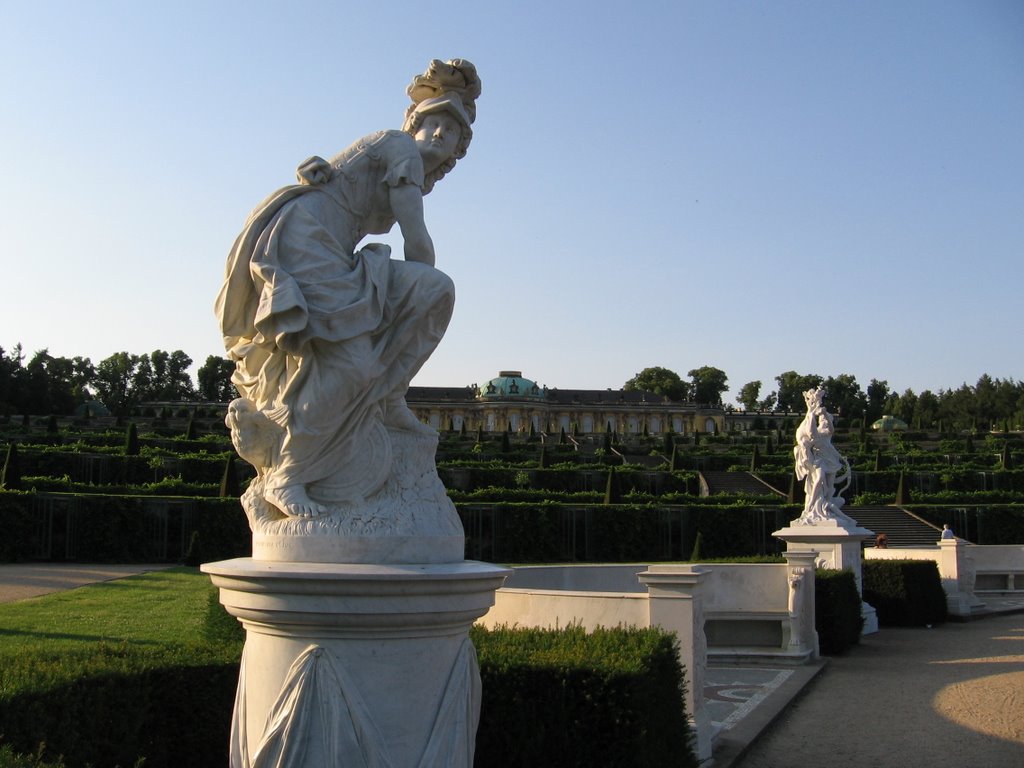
902 491
131 440
698 546
612 491
229 485
10 476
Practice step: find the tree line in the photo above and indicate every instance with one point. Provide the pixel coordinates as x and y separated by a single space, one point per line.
991 403
45 384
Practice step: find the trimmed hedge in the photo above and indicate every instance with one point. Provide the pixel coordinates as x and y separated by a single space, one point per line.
549 532
570 698
550 697
837 616
96 528
905 593
118 702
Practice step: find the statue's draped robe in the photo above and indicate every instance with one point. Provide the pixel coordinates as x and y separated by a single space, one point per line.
326 338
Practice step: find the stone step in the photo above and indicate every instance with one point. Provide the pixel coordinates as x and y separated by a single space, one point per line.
901 528
735 482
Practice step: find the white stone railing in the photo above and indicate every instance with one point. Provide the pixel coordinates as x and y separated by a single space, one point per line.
968 571
747 610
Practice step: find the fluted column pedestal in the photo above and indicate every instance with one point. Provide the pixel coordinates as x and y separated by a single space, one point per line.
352 665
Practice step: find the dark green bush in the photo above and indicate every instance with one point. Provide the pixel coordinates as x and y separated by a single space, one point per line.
551 698
96 528
837 617
118 703
554 698
549 532
11 759
905 593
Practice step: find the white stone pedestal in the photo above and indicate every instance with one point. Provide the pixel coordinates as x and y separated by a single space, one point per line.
674 602
838 544
356 665
957 570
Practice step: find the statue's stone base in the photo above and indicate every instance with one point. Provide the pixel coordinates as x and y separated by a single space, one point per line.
837 544
356 664
408 518
358 549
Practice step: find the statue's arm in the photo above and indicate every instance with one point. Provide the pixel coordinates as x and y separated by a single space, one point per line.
407 205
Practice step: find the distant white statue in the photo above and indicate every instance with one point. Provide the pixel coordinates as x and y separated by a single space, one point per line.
818 463
327 335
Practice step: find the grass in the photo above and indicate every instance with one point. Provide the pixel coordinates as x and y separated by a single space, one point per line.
160 608
144 643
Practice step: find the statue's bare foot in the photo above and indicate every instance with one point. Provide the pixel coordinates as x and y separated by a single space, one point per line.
294 501
398 416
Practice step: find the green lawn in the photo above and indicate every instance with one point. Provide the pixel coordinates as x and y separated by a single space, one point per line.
148 646
158 608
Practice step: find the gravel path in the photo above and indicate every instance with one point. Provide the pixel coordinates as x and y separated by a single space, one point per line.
948 696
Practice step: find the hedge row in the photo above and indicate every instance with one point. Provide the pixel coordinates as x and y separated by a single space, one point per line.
905 593
101 528
837 611
110 706
589 478
549 532
570 698
118 470
552 698
124 529
981 524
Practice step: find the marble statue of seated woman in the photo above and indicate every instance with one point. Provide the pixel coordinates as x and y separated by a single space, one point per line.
326 332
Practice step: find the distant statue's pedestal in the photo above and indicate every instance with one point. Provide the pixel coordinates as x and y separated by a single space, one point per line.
837 544
356 664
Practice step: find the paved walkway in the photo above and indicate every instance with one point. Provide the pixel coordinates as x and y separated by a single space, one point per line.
19 581
948 696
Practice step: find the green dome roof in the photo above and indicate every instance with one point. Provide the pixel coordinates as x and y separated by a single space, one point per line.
511 385
889 424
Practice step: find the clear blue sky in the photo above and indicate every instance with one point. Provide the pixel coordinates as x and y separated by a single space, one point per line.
826 187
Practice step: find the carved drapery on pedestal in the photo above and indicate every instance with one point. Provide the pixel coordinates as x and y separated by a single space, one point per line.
353 665
320 711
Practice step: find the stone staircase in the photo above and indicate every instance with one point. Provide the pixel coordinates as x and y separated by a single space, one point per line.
901 527
734 482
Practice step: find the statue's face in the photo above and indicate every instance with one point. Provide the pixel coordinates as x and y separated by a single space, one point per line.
437 137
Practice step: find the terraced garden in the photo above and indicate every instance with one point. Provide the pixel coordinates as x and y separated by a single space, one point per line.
164 487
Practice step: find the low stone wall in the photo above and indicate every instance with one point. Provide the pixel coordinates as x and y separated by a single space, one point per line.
968 571
720 612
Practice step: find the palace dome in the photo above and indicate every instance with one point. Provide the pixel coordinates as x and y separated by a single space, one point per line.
510 385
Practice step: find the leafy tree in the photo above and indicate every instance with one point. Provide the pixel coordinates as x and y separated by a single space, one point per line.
215 380
57 384
956 407
926 409
117 382
708 384
748 395
163 376
792 386
843 396
660 381
769 402
13 381
878 394
904 406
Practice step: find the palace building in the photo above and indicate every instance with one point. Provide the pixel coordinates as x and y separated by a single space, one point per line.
511 401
